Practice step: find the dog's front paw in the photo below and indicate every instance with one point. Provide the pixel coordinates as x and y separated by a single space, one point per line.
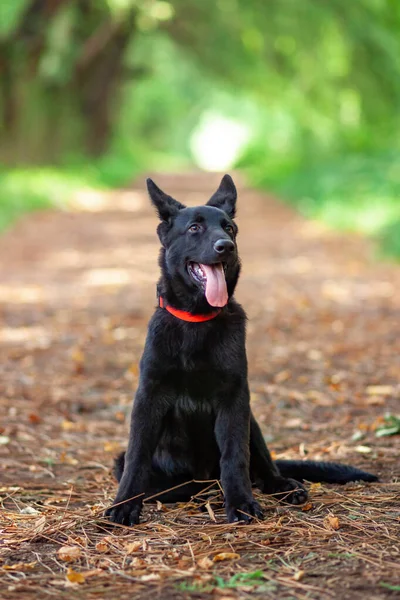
126 513
290 491
243 510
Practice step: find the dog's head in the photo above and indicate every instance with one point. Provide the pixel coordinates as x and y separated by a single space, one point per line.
199 244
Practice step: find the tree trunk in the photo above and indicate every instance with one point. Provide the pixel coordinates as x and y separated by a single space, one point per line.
98 82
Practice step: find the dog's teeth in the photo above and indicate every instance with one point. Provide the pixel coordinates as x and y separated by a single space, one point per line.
198 270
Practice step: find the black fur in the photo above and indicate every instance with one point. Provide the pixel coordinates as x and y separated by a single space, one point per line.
191 418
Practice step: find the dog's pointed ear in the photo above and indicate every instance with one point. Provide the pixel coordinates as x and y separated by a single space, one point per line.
225 196
166 206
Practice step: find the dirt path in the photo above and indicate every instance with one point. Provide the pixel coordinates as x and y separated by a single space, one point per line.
76 290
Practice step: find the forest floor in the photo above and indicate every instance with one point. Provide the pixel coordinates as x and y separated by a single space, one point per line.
76 291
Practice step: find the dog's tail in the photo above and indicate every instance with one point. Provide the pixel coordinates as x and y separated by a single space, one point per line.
325 472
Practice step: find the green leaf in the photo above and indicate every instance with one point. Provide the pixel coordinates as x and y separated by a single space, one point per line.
394 588
390 427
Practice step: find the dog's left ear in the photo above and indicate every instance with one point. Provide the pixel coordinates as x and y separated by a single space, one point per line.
225 196
166 206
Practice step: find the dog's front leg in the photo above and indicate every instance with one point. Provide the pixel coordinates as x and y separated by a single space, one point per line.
150 406
232 430
266 474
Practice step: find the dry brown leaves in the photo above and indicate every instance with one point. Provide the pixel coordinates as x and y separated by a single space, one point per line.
183 548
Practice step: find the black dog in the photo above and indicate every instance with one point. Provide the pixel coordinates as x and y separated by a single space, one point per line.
191 417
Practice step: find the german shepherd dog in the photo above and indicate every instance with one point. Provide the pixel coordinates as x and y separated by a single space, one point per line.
191 418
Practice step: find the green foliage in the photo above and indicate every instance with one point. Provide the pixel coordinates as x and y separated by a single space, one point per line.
356 192
10 14
390 427
253 579
109 87
240 579
388 586
33 189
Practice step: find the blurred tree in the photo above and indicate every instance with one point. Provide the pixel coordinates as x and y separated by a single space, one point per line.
69 68
61 68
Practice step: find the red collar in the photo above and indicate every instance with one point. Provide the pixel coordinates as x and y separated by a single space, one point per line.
187 316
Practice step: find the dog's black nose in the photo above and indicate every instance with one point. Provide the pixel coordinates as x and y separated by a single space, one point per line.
224 246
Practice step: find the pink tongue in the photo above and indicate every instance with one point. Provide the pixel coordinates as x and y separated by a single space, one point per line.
216 292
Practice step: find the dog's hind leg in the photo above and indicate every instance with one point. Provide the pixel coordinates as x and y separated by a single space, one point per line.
265 474
179 488
171 488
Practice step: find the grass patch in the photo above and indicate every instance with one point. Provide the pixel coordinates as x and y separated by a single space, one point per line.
34 188
358 193
254 580
23 190
388 586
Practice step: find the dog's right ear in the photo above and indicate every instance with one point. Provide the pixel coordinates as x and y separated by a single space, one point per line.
166 206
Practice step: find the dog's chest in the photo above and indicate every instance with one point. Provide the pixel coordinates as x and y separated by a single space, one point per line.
189 405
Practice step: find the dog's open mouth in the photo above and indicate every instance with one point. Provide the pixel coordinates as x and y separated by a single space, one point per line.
212 279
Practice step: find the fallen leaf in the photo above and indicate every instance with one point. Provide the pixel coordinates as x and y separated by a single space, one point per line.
363 449
298 576
132 372
375 401
205 563
112 447
78 359
34 418
39 525
226 556
173 554
80 540
266 542
282 376
29 510
380 390
294 423
319 398
68 425
67 458
137 562
307 506
331 522
133 547
314 487
75 577
54 500
102 546
69 553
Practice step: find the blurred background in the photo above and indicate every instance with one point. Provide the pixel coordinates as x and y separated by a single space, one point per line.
302 97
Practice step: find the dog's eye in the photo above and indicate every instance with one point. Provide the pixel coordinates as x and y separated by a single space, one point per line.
229 229
194 228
